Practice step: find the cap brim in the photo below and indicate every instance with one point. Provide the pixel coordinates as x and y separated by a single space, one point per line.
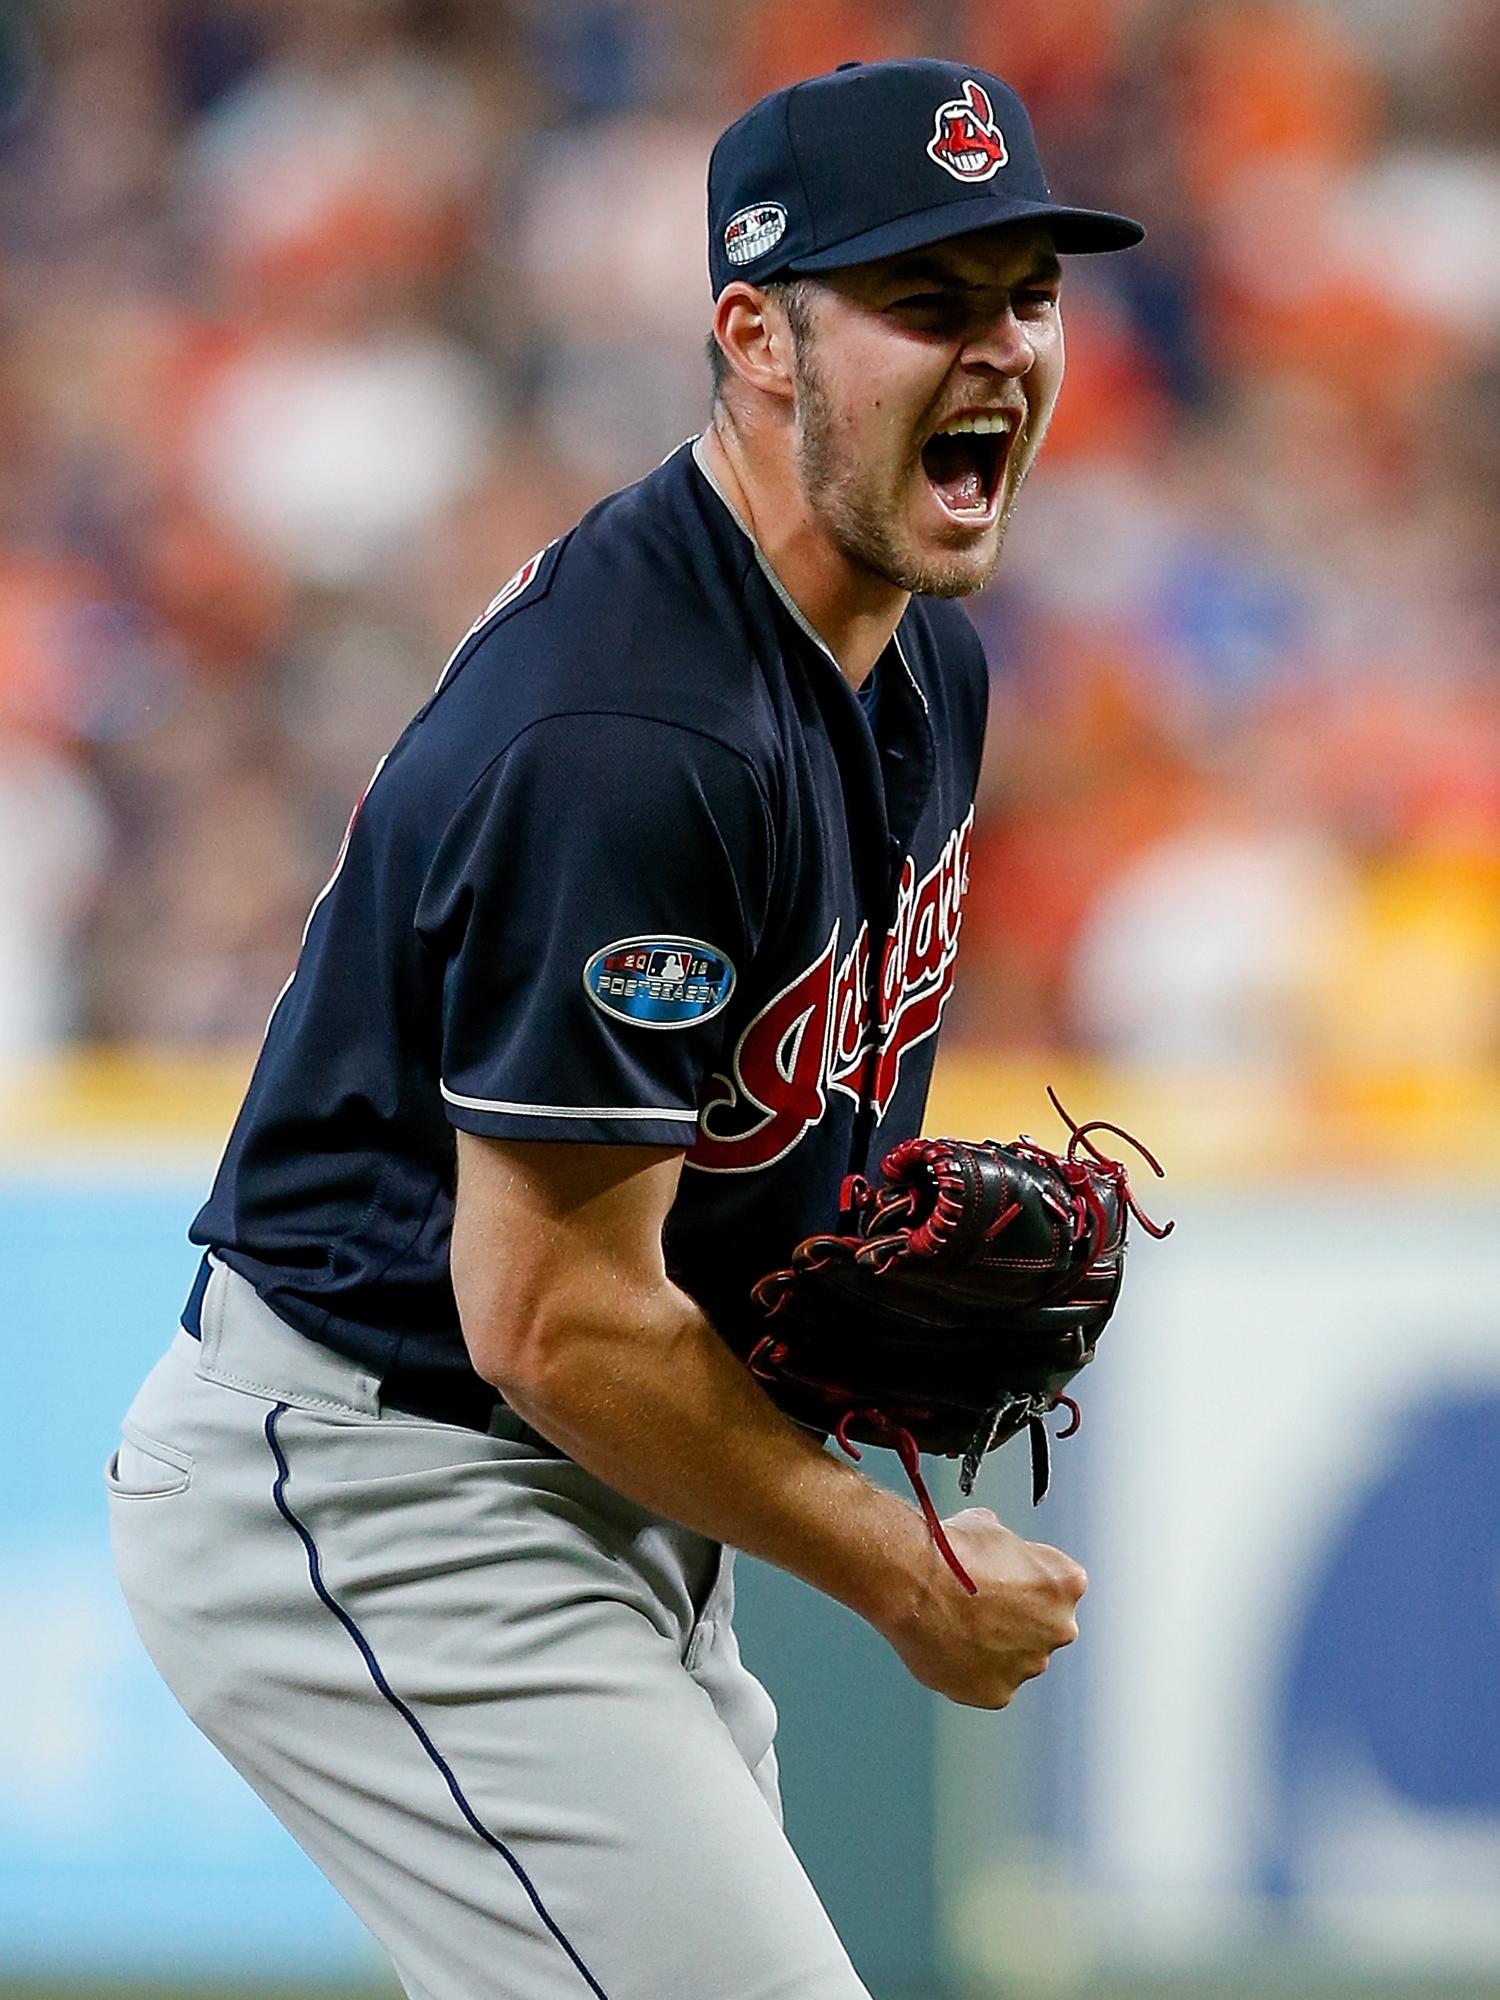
1075 231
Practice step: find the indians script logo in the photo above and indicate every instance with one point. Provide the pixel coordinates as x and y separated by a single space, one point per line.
816 1036
965 138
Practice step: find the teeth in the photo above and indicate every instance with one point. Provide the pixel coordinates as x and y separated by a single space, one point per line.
980 426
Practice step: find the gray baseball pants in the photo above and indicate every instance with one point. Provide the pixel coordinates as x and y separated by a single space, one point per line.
499 1705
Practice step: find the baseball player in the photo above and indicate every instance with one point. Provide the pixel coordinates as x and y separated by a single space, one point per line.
638 943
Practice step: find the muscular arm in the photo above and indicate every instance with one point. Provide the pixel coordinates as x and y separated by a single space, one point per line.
567 1309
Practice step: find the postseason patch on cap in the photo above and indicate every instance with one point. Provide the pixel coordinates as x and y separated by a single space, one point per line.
754 231
659 982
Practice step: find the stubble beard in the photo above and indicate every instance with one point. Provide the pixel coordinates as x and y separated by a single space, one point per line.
860 518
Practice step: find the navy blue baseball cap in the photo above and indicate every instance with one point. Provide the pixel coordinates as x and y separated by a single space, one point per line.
876 158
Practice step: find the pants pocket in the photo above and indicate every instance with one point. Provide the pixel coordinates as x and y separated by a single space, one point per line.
143 1468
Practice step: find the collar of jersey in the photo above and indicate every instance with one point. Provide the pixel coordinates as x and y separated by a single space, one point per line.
700 459
798 617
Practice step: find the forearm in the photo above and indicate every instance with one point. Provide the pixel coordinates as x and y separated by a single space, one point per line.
557 1269
652 1402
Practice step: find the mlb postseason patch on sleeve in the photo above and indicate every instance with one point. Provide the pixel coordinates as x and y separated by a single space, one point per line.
659 982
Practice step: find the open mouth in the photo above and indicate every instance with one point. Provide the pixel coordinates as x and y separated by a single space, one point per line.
965 463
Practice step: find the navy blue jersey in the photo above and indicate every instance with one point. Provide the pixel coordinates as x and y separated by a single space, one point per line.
644 871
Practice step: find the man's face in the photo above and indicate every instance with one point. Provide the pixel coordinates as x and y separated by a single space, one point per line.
924 386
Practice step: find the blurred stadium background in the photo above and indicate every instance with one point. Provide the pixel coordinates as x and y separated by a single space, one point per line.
316 318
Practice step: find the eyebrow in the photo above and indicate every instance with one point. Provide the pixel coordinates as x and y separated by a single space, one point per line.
930 270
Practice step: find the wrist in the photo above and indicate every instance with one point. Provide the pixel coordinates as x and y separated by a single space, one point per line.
886 1571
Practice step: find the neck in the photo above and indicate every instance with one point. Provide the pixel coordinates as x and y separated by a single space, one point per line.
853 611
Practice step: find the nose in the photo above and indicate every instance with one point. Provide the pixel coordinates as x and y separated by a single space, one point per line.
1002 343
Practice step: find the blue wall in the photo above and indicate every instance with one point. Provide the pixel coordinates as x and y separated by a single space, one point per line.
125 1843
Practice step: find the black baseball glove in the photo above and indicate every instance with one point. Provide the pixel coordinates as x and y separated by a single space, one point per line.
955 1301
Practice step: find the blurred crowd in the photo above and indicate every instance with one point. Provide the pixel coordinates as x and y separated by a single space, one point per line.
319 316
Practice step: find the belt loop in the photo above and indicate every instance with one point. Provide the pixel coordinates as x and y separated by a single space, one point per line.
192 1312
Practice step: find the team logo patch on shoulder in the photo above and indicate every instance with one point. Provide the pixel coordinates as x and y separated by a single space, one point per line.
754 231
659 982
966 142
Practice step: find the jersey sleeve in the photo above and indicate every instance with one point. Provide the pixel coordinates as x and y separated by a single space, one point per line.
595 903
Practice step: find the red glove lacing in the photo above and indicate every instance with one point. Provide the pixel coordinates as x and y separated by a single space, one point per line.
1078 1175
1080 1206
904 1445
764 1359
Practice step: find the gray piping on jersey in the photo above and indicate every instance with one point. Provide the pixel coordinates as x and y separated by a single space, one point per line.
776 583
670 1114
798 615
901 656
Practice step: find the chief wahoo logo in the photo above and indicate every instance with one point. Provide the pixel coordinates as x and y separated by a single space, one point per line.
965 140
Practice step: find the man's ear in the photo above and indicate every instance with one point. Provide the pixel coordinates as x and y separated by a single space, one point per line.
756 339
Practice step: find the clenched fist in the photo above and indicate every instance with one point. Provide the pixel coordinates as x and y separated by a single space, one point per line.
978 1650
